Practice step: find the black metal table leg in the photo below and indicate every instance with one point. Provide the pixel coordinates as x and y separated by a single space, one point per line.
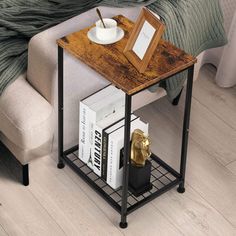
175 102
128 101
25 174
60 164
185 133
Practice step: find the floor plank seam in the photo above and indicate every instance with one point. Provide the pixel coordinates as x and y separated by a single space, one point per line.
54 220
167 218
232 172
230 163
191 136
213 159
29 191
211 111
100 209
4 230
234 226
104 213
210 154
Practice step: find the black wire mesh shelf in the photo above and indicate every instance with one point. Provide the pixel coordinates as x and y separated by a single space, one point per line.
163 178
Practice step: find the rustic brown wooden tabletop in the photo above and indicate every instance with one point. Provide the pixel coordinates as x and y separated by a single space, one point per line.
109 60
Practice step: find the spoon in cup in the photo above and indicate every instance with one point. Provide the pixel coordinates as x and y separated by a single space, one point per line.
100 16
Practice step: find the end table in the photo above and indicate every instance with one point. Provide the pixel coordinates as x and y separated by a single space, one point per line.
110 62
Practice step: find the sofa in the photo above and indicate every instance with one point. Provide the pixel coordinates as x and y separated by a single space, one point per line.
28 107
214 55
226 69
223 58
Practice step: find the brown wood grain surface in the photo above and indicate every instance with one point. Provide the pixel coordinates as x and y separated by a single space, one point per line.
110 61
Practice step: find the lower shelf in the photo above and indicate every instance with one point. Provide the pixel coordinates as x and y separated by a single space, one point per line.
163 178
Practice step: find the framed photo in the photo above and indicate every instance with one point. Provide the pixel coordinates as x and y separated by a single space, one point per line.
144 39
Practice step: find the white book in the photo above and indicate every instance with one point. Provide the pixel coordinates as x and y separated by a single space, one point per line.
92 109
98 139
118 124
84 125
116 143
98 95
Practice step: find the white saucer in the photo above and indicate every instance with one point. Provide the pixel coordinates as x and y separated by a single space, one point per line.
92 36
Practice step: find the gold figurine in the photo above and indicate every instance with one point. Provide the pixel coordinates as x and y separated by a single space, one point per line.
140 148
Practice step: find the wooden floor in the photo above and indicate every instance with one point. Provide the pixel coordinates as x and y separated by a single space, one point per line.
58 202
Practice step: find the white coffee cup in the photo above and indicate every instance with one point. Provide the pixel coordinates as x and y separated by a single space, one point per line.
108 33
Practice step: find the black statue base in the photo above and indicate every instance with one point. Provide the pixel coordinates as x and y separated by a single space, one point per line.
139 179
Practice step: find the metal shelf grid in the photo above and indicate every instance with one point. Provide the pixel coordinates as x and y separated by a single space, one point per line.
163 178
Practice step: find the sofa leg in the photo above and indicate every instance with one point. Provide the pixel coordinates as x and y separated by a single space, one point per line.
25 175
175 102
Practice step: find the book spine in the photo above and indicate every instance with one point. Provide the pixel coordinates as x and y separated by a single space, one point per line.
91 126
117 168
110 160
86 123
83 132
104 154
97 151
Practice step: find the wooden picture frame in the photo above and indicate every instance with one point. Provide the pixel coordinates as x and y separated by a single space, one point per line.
143 40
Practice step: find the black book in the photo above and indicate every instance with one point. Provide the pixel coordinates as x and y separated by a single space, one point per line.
105 140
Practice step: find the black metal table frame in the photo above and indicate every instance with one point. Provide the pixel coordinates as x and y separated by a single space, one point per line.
128 103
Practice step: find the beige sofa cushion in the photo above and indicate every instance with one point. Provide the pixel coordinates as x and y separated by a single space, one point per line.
25 116
24 156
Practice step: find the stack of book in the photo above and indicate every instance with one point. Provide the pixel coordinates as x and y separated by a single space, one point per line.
101 133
